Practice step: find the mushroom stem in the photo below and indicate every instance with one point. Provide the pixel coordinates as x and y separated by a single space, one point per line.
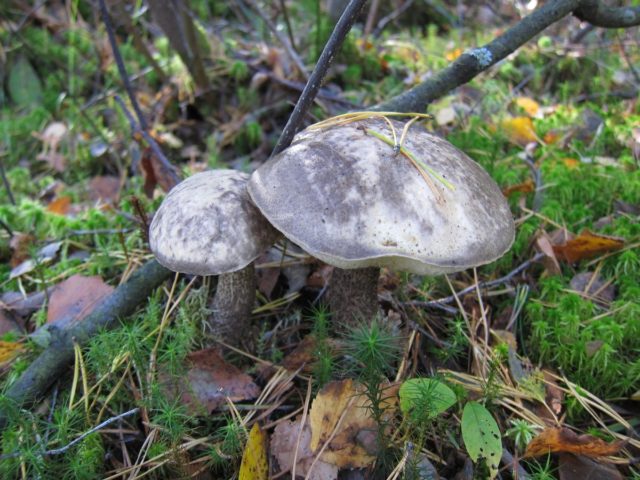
353 296
232 305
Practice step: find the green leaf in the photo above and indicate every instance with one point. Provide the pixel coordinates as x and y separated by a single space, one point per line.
24 86
427 394
481 436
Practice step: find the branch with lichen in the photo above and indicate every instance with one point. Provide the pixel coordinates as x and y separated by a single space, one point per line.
475 61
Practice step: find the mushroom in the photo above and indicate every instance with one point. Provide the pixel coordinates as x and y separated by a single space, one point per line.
349 198
207 225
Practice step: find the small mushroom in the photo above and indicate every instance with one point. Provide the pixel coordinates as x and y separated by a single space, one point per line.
207 225
350 199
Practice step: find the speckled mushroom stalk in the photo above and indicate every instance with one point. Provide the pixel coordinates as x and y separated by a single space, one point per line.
344 196
207 225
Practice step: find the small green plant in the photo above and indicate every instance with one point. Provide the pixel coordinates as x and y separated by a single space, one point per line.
521 432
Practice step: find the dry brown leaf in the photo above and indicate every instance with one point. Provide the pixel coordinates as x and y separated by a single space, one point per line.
104 188
72 300
554 396
587 245
283 446
60 205
550 262
573 467
154 173
556 440
20 245
525 187
519 130
208 383
353 443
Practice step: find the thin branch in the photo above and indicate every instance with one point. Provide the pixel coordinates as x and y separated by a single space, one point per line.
136 128
7 185
120 63
492 283
281 38
594 12
338 35
58 451
142 122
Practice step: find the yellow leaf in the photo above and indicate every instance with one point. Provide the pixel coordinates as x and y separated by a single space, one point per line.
341 415
529 105
553 440
519 130
451 55
254 464
8 350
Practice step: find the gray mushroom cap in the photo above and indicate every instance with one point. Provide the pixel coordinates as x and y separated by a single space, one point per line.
342 195
207 225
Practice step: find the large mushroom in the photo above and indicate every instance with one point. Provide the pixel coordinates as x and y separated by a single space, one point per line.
207 225
349 198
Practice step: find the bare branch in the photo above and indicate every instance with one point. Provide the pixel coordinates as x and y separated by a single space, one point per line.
313 84
594 12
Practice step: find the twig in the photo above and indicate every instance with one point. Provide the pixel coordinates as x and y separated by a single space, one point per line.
7 185
7 228
281 38
142 126
492 283
313 84
136 128
384 21
287 22
53 361
120 64
58 451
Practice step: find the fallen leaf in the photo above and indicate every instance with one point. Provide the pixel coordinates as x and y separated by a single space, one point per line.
255 465
45 255
342 406
519 130
8 350
155 173
284 442
525 187
550 262
529 105
555 440
208 383
587 245
594 286
23 306
75 298
60 205
9 322
571 467
104 189
554 395
20 245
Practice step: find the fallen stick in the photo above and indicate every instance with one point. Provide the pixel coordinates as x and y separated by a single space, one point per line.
53 361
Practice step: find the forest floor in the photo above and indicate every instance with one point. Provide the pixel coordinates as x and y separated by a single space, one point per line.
528 367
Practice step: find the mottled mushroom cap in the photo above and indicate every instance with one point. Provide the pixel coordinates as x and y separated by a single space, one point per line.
207 225
342 195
